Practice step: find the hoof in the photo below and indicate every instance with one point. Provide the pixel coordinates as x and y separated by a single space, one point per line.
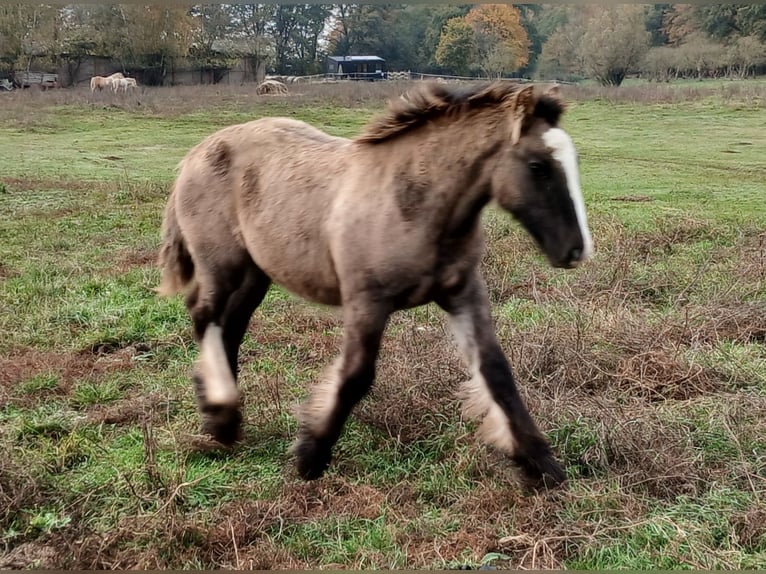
539 469
222 422
313 457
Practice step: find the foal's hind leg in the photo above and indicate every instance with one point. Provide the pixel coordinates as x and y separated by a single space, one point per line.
352 375
492 394
221 305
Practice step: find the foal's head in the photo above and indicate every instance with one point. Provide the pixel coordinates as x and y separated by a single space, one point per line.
535 172
537 177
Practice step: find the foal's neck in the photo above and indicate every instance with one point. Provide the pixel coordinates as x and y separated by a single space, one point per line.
456 159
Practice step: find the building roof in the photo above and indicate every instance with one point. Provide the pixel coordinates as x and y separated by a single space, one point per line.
356 59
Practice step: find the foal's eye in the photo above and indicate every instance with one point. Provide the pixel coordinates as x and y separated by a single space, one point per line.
538 168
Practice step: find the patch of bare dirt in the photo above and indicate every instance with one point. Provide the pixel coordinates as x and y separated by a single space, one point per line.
750 528
34 184
424 549
312 331
22 364
633 198
6 272
242 534
19 488
31 556
130 410
743 322
539 533
132 258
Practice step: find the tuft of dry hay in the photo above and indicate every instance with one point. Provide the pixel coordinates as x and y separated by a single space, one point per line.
271 87
31 555
419 373
750 527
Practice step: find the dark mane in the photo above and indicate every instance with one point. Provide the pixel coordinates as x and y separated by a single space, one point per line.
431 100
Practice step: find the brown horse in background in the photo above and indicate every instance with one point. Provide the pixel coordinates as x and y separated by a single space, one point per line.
386 221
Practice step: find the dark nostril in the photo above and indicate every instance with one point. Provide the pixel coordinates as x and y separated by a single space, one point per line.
575 255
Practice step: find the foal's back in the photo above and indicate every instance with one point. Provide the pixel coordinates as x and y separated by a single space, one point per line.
266 187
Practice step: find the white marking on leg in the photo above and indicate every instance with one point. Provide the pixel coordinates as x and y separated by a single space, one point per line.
220 386
316 411
478 404
564 152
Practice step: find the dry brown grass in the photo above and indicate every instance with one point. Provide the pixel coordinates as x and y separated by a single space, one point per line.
749 93
183 99
22 364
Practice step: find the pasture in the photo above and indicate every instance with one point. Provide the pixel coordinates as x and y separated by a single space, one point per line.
646 367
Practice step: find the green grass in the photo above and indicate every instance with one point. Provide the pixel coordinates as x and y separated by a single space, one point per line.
646 368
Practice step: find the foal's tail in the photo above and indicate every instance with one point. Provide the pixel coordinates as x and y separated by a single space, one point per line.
174 258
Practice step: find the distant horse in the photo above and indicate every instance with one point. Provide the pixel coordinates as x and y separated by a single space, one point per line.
104 82
386 221
123 84
99 83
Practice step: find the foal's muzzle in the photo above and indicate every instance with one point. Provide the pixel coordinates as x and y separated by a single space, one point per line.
574 257
569 259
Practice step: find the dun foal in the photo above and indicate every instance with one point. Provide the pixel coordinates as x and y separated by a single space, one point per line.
386 221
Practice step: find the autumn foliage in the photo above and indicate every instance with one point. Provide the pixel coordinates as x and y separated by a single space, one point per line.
499 25
490 38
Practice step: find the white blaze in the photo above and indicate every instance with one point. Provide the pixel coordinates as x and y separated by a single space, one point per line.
220 386
564 152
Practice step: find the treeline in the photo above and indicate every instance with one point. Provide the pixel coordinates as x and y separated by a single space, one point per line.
607 43
660 42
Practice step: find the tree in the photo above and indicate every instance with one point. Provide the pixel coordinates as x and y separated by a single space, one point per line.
614 43
251 29
77 39
457 47
379 30
438 16
502 41
340 38
751 20
680 22
27 32
296 31
604 42
562 55
149 38
405 36
530 20
745 54
719 21
654 22
661 63
214 24
312 19
700 56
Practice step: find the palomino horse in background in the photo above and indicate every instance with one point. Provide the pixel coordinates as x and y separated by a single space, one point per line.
123 84
386 221
104 82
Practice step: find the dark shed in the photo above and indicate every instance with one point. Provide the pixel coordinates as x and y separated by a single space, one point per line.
357 67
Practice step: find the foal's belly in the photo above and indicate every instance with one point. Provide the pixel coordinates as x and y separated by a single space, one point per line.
300 265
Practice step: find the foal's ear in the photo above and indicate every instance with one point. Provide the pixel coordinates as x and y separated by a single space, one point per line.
523 106
553 91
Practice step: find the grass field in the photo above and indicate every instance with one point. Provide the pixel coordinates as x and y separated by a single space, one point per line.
646 368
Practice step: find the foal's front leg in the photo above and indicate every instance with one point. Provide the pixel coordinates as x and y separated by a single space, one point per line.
491 394
348 380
